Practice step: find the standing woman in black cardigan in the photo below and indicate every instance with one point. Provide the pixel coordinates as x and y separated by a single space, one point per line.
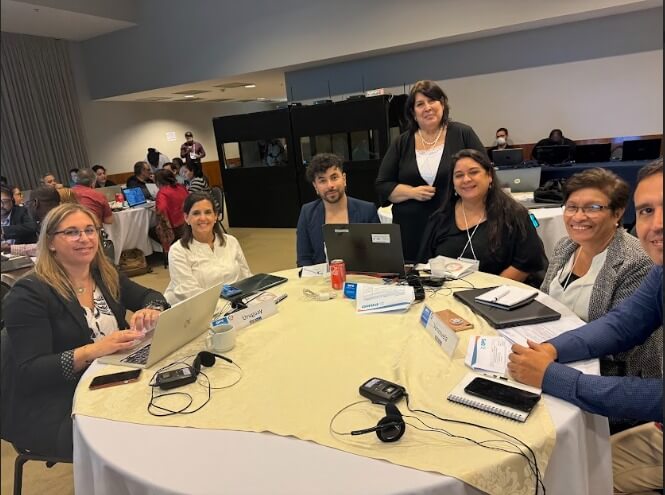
416 169
59 319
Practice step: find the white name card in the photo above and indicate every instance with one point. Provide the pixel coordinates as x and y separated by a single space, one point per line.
440 332
250 315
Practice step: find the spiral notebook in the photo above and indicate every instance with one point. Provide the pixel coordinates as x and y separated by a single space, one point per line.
459 396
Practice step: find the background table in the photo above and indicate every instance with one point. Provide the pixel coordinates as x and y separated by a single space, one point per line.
121 458
130 230
550 231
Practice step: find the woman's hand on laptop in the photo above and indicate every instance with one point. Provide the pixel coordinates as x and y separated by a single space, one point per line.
120 340
144 320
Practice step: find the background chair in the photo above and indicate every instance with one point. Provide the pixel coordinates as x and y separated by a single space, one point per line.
218 196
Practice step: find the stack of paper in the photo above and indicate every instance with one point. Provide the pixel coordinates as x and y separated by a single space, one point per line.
487 354
541 332
373 298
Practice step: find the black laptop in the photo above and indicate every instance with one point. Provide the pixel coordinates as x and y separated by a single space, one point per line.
593 153
640 149
552 155
255 283
529 314
508 157
370 248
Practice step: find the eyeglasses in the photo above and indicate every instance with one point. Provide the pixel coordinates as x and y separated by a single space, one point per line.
589 210
75 234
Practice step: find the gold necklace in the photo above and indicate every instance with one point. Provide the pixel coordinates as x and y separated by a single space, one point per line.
431 143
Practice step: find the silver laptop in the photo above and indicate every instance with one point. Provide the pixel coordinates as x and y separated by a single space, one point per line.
109 192
519 179
176 326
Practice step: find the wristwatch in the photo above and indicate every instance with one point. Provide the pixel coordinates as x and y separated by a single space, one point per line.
158 305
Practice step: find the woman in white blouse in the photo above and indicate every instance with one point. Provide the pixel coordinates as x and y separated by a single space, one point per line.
205 255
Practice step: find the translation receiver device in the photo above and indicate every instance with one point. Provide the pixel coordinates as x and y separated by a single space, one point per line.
381 391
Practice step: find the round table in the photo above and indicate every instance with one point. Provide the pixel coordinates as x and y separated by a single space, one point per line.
115 457
130 230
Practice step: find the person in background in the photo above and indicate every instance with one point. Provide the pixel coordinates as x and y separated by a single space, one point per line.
637 453
91 199
18 227
68 312
178 170
142 172
191 149
326 173
599 265
205 255
3 181
556 138
101 179
416 169
502 141
73 176
17 194
156 159
42 200
48 179
170 200
479 221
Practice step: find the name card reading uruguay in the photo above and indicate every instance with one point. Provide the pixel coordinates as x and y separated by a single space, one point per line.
440 332
250 315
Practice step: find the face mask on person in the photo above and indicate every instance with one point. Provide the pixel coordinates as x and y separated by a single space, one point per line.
501 141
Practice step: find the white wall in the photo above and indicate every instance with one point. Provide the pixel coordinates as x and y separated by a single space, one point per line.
118 134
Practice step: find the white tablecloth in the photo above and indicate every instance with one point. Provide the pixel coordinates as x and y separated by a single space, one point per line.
130 230
118 458
550 231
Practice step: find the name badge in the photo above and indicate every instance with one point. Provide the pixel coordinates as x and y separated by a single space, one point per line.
442 334
250 315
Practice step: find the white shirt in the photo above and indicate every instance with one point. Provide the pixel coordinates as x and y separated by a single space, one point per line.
428 163
100 319
578 293
200 267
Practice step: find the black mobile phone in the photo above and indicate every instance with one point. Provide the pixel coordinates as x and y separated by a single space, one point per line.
505 395
111 379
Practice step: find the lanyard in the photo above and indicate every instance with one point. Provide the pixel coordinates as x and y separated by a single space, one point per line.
469 243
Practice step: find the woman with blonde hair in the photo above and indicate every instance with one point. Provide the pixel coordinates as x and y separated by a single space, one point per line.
60 318
67 195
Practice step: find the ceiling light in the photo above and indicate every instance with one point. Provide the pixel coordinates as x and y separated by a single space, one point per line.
189 96
250 86
261 99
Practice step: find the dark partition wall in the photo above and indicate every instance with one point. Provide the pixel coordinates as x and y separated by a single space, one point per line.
357 130
259 174
268 152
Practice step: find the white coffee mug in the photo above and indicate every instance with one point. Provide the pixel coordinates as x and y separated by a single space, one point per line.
221 338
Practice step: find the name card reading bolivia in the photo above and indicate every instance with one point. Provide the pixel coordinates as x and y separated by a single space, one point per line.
442 333
250 315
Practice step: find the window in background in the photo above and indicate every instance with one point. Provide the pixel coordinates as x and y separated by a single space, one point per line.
269 152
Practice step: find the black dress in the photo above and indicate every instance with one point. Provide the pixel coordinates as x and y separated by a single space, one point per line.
443 237
399 166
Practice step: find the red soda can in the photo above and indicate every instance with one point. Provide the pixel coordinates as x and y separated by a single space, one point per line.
337 274
119 198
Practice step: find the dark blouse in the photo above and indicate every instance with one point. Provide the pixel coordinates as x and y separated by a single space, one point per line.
443 237
399 166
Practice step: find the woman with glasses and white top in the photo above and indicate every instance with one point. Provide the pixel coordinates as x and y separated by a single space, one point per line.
480 222
59 318
599 264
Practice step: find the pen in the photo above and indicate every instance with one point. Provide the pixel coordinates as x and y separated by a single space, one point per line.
495 376
279 299
502 294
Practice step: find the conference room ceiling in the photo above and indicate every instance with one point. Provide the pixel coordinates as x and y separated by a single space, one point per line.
80 20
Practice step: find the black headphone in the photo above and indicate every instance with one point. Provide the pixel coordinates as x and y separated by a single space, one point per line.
389 428
206 359
417 284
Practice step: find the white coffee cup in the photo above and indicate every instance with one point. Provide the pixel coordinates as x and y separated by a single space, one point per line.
221 338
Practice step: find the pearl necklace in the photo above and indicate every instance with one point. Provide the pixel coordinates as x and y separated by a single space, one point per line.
430 143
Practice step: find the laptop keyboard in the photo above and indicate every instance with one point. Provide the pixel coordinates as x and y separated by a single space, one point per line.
138 357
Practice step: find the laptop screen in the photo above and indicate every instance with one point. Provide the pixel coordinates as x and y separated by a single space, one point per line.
134 196
374 248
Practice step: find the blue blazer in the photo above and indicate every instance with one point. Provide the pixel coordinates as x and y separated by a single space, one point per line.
309 240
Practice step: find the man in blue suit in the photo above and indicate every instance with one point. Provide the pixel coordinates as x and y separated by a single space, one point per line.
326 173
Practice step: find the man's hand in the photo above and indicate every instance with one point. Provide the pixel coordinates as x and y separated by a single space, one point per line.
528 364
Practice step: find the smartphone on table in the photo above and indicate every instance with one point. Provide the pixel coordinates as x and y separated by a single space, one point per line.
111 379
514 397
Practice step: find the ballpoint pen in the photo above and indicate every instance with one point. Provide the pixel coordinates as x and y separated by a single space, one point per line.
502 294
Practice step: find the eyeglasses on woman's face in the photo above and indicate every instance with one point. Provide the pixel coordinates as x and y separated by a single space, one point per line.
73 234
589 210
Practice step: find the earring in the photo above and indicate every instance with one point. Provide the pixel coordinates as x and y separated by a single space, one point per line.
455 193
